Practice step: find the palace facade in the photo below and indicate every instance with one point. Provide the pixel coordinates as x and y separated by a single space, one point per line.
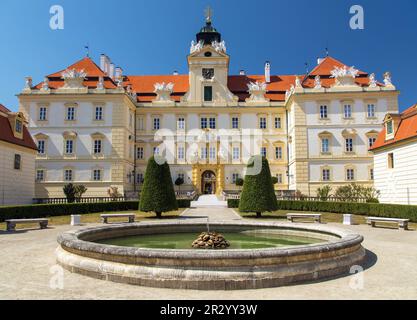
95 125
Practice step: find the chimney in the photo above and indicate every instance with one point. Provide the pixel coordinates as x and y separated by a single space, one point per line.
267 72
175 73
111 70
319 60
242 73
103 62
118 73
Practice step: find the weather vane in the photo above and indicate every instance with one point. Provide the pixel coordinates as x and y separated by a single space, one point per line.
87 48
209 14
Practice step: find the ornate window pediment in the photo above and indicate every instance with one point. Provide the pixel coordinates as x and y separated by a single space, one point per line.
349 132
69 134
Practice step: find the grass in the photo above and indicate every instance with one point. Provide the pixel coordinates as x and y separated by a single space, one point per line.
95 218
326 217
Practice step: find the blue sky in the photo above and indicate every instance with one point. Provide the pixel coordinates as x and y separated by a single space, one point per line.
153 37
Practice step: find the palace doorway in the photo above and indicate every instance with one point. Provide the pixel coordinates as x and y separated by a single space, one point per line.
208 182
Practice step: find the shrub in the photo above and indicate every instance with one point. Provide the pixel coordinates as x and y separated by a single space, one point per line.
239 182
364 209
158 193
324 192
353 191
258 193
79 191
70 192
179 182
184 203
114 193
274 180
53 210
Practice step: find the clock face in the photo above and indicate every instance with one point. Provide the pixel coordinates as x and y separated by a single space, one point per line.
208 73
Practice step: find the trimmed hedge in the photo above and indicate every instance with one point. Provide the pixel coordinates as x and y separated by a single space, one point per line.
53 210
365 209
184 203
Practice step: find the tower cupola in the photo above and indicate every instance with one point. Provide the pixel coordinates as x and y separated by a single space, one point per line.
208 33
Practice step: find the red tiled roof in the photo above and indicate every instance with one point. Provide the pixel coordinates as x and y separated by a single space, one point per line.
407 128
144 85
3 108
6 133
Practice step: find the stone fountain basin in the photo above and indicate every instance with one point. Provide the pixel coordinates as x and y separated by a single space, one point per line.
211 269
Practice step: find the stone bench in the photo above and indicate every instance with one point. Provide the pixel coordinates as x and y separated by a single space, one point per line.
292 216
11 224
402 223
105 217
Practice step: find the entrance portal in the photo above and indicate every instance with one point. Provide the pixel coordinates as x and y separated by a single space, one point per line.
208 182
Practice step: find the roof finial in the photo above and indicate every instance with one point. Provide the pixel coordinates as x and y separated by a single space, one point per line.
208 14
87 48
327 51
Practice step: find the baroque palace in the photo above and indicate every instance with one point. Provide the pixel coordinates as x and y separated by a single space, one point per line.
96 126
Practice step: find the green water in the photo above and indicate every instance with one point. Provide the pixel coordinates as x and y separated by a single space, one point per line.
242 240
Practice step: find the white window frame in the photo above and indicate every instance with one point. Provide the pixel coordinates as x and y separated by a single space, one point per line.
41 147
324 112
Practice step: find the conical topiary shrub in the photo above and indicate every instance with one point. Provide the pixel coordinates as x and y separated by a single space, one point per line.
258 193
158 193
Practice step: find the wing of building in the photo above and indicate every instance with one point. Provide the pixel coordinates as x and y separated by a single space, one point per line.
99 126
17 159
395 158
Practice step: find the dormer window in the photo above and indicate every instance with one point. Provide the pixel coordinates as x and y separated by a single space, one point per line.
19 126
390 127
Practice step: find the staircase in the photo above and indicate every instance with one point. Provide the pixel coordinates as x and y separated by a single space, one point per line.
207 201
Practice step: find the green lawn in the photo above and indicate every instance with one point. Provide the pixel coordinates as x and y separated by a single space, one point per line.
95 218
326 217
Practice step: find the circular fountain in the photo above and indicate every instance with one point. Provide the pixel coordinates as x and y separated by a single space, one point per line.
266 254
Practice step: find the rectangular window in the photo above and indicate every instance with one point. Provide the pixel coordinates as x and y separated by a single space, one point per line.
212 123
349 145
181 124
140 153
278 153
40 175
390 127
235 123
236 153
371 173
203 123
97 175
140 124
70 113
235 176
204 153
350 174
156 123
371 141
139 178
18 126
208 93
69 146
277 123
262 123
181 153
156 151
347 111
41 147
97 146
42 113
323 112
17 161
390 160
371 110
212 153
279 178
68 175
326 174
263 151
325 145
99 113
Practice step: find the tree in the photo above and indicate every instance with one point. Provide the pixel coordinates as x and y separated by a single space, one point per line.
324 192
70 192
79 191
158 193
258 193
179 182
239 182
274 180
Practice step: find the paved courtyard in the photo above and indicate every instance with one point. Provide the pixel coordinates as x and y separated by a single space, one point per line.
26 259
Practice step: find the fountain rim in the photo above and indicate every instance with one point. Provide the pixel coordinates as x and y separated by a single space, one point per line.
73 240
